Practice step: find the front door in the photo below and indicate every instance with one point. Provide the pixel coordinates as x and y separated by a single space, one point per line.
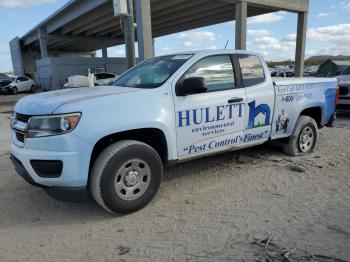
21 86
211 121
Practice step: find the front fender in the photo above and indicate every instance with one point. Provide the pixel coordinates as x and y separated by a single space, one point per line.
114 114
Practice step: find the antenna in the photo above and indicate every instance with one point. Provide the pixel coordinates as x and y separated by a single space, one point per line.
227 43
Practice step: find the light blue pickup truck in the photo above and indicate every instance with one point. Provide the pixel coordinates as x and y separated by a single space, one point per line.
113 141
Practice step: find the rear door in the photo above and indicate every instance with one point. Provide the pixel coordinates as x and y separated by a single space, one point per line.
27 83
260 98
211 121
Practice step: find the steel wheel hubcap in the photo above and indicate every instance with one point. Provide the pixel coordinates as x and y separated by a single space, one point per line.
132 179
306 139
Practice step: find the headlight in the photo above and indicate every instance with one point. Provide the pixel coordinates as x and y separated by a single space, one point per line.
40 126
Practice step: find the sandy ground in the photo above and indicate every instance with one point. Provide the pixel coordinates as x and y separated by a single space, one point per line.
207 210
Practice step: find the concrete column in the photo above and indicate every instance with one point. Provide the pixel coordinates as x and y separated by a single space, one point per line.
241 25
16 56
42 36
144 29
129 35
104 52
300 44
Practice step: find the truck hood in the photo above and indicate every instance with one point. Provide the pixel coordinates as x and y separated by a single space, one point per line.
48 102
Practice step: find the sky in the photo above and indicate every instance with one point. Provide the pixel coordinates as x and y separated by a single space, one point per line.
272 34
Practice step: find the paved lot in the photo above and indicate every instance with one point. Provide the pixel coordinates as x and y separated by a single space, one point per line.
206 210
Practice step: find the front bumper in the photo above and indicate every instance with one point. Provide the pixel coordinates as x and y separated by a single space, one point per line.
20 169
72 151
3 90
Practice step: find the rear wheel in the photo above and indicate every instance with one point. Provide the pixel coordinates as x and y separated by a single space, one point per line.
32 89
126 176
304 137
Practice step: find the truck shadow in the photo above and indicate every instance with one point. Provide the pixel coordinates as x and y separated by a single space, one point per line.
30 205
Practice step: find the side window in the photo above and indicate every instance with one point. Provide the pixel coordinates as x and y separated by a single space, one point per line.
216 70
252 70
22 79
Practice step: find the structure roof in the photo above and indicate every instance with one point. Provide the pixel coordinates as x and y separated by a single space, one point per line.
85 25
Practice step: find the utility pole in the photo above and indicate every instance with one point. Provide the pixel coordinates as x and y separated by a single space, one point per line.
129 34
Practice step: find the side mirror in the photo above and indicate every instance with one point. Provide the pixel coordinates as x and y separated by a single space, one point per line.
192 85
17 81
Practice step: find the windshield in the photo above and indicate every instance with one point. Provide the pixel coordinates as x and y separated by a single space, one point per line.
153 72
13 79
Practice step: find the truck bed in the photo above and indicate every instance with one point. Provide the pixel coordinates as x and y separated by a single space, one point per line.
294 95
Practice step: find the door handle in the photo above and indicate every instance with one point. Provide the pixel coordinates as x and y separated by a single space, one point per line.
235 100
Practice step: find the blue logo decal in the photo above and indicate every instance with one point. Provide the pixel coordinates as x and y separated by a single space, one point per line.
258 116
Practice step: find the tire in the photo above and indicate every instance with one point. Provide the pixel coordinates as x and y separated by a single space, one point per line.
14 91
303 138
126 176
32 89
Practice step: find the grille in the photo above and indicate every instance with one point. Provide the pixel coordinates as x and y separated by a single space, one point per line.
343 90
22 118
20 137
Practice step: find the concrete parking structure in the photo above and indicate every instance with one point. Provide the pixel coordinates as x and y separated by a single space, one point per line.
82 26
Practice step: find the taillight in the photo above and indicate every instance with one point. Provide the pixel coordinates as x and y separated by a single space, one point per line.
337 96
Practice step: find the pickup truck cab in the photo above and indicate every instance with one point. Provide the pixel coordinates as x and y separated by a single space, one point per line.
114 141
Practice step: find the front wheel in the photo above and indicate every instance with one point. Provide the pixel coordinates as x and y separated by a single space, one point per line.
126 176
304 137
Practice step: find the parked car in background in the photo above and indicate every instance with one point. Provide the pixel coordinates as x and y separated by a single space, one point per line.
344 91
5 80
17 84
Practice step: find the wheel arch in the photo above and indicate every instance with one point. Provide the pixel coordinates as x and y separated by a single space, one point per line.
314 112
153 137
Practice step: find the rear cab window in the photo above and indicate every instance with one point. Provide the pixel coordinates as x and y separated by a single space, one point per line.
252 69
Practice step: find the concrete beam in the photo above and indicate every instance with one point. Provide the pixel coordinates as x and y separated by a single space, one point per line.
241 25
103 11
277 5
77 42
81 38
112 23
218 15
186 12
144 29
300 44
96 22
72 13
42 36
